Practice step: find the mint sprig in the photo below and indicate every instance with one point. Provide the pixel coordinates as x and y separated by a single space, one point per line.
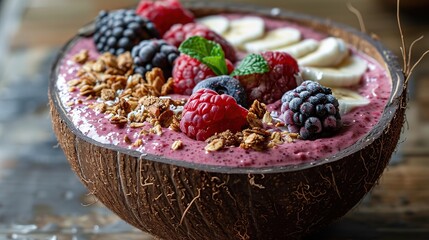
252 63
216 64
208 52
211 54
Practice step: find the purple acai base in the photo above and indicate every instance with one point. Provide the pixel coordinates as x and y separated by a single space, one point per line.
375 86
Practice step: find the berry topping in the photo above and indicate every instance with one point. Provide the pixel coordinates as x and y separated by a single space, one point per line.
225 85
207 113
210 54
269 87
180 32
154 53
201 59
164 13
311 110
119 31
188 71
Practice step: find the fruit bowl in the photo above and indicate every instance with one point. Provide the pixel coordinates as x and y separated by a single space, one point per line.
173 199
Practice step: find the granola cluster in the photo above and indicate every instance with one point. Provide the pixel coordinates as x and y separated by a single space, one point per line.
141 102
259 136
127 98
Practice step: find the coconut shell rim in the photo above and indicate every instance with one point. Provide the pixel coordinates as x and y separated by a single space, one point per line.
390 63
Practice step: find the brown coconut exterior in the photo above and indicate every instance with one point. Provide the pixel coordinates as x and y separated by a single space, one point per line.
178 200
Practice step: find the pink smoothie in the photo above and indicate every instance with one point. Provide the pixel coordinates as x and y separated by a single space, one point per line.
376 86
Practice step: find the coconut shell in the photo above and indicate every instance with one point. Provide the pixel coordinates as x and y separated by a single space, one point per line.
179 200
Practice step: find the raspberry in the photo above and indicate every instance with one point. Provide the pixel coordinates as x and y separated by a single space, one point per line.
311 110
207 113
180 32
164 13
121 30
269 87
225 85
188 71
154 53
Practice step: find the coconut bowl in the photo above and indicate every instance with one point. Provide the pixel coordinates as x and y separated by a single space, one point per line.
173 199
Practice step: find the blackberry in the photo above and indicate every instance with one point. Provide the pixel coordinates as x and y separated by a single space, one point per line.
119 31
311 110
154 53
225 85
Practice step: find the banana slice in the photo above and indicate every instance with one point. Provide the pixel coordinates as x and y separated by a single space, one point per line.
274 39
300 49
347 74
217 23
244 30
348 99
330 53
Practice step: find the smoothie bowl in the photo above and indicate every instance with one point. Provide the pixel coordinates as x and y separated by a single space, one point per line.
264 172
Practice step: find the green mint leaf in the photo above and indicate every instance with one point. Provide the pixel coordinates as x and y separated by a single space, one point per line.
253 63
208 52
217 51
216 64
197 47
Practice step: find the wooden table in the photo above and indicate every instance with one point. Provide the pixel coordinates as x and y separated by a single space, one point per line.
40 198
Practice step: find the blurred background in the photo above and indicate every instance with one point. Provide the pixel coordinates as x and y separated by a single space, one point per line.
40 198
